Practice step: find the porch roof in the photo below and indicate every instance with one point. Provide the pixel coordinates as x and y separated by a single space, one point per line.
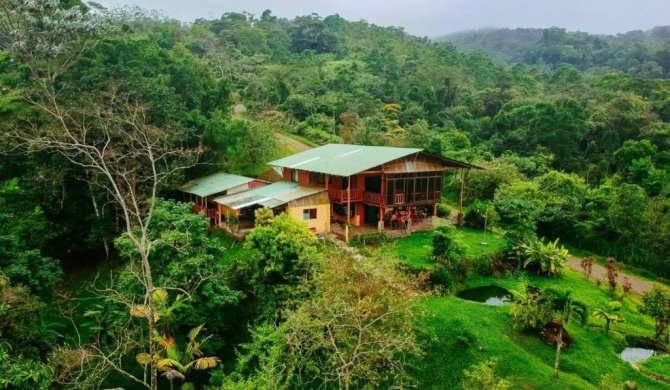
347 160
214 184
272 195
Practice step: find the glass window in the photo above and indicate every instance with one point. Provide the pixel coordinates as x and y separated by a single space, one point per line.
308 214
294 175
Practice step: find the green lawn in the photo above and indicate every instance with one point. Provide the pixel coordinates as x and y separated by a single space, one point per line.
416 248
462 333
459 333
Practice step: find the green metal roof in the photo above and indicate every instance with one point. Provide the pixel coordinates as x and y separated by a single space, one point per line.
272 195
214 184
343 160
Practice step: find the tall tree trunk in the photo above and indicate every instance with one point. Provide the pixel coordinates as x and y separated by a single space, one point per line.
149 286
559 346
98 215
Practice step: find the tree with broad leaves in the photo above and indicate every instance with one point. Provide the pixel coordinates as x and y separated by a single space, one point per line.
657 305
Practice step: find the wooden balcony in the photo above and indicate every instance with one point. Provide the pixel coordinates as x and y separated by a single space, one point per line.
209 213
340 196
373 198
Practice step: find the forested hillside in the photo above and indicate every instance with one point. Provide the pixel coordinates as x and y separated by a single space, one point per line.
105 113
644 54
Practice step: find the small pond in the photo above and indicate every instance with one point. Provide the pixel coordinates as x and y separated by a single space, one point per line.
637 355
489 295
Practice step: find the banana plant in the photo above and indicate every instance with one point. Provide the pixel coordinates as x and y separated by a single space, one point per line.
609 314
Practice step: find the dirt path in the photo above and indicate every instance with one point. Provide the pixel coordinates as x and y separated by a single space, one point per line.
640 286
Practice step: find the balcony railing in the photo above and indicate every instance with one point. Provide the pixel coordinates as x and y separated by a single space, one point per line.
209 213
401 198
373 198
340 196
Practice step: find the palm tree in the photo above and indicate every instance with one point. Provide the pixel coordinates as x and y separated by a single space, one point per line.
567 309
609 315
173 363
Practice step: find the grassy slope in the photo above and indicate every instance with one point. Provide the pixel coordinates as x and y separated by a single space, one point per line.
659 365
461 333
234 248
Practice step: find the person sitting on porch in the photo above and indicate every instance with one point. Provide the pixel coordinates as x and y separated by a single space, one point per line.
394 221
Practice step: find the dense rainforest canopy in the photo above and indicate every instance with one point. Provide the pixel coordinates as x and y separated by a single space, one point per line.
573 130
643 54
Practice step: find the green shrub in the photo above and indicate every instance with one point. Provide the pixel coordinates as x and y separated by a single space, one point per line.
479 214
529 309
448 247
483 376
443 211
441 280
319 136
370 238
494 263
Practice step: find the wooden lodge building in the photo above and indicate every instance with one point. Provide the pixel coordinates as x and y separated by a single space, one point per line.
202 191
366 184
355 184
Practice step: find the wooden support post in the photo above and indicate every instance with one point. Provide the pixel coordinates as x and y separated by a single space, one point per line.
461 217
348 206
382 209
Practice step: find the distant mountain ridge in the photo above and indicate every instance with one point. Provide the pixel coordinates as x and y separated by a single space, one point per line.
639 53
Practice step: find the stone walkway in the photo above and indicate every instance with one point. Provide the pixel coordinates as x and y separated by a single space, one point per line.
639 286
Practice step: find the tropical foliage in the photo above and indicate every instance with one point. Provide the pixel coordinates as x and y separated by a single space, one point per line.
104 113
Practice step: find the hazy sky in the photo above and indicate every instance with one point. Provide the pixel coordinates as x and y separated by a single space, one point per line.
436 17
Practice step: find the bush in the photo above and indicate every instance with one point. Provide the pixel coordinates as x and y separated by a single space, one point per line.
496 263
483 376
529 309
480 214
443 211
448 247
370 238
441 280
320 137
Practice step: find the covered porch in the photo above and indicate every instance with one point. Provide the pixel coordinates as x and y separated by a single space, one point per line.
427 224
